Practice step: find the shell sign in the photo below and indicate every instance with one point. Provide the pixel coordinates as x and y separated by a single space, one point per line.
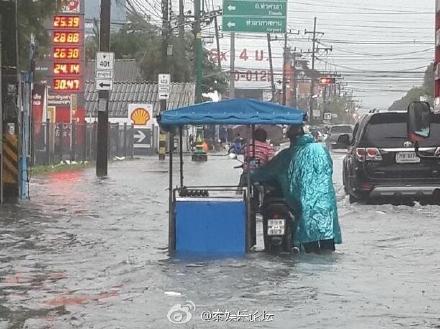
140 115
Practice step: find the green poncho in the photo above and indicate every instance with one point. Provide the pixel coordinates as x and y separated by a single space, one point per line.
311 186
304 174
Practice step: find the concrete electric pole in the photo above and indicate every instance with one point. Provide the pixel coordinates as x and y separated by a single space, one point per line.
104 45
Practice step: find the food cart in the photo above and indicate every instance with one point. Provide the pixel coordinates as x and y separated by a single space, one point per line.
215 220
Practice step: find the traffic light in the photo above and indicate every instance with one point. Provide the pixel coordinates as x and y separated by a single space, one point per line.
327 80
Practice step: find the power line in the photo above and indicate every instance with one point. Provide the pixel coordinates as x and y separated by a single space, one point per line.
363 13
357 7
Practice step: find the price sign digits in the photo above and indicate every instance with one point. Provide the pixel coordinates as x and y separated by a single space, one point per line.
66 53
67 48
66 84
66 37
66 21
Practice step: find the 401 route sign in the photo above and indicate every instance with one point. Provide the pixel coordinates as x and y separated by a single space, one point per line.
104 70
254 16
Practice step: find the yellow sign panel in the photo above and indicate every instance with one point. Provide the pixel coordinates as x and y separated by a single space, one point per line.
141 115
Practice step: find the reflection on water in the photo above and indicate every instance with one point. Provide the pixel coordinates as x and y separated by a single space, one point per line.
91 253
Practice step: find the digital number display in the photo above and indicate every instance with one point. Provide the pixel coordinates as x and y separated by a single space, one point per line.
66 53
66 22
66 37
67 69
66 84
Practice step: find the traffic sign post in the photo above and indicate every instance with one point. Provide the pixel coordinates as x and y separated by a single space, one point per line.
104 70
102 84
164 82
105 61
254 16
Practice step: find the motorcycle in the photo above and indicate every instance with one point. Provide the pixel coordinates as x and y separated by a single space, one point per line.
278 220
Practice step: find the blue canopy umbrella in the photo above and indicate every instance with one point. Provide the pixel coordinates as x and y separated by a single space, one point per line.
232 112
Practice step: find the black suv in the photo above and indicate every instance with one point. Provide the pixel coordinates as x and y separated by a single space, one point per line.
381 161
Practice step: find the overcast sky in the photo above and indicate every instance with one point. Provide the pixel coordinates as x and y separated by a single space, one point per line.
394 37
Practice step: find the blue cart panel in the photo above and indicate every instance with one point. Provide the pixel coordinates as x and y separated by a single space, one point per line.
210 226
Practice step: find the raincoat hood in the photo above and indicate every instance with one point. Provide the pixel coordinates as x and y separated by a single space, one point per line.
304 139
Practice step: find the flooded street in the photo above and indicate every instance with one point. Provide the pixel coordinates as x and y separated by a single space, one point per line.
91 253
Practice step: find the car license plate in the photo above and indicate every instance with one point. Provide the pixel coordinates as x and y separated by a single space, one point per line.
276 226
407 157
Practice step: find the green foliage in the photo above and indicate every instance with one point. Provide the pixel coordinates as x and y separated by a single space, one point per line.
343 106
414 93
213 78
32 16
143 41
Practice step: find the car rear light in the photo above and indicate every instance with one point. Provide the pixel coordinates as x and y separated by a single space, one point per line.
373 154
365 186
361 154
368 154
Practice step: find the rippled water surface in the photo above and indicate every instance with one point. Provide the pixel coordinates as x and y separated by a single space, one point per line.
91 253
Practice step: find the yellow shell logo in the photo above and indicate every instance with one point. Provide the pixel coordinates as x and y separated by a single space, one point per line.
140 116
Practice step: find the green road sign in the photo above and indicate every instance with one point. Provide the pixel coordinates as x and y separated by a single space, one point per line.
254 16
255 8
254 24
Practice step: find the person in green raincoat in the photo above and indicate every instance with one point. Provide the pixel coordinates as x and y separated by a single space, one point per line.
311 187
304 174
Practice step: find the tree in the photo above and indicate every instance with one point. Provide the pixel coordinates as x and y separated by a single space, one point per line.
415 93
342 106
213 78
32 16
142 41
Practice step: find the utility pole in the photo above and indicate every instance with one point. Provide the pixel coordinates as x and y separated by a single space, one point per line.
217 39
272 81
294 78
9 99
313 77
437 60
1 115
181 20
232 67
164 46
198 50
104 45
164 62
285 59
312 84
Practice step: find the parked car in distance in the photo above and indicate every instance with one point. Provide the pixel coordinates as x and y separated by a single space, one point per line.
382 161
318 134
334 133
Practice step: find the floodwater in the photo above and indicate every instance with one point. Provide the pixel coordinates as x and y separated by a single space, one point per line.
91 253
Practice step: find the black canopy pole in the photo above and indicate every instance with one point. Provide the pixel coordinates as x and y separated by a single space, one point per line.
248 192
181 154
171 217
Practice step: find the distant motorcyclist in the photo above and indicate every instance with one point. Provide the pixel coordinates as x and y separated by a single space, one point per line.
263 153
236 146
263 150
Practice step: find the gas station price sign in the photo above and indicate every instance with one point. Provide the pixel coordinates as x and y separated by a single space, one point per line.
67 53
66 38
67 21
